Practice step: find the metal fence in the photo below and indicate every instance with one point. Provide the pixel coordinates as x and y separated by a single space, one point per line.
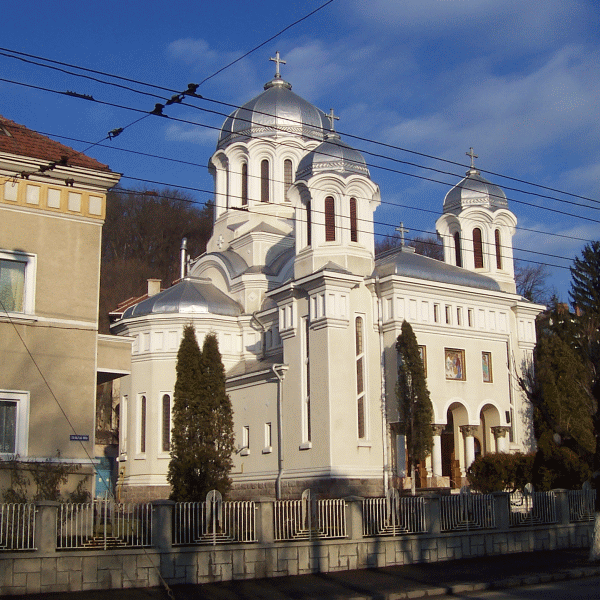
309 518
393 515
582 504
17 526
104 524
467 511
532 508
214 521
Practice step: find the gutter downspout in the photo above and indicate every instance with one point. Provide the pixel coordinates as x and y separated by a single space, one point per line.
384 424
279 370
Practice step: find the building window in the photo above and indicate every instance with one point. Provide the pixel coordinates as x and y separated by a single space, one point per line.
486 365
166 423
245 449
447 313
498 249
459 316
457 251
455 364
143 424
353 221
244 184
287 177
268 439
14 417
477 248
360 378
470 316
306 421
264 181
308 224
329 219
17 279
423 355
436 313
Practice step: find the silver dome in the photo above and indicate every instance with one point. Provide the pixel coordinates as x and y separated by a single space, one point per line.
187 296
275 112
474 190
333 155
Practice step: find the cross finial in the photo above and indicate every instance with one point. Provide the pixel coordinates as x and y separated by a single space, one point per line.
473 156
332 118
278 61
402 231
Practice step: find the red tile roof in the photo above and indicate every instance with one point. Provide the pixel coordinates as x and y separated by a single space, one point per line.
24 142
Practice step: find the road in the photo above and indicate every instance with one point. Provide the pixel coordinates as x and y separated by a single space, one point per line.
580 589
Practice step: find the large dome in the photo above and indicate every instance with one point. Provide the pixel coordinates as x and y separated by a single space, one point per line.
277 110
474 190
334 156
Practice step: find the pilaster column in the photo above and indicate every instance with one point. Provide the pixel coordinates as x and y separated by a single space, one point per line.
436 453
468 431
500 436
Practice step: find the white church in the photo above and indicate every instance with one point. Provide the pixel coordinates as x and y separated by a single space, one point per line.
307 319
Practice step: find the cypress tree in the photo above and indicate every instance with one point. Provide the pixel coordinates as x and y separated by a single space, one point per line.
414 403
202 435
585 285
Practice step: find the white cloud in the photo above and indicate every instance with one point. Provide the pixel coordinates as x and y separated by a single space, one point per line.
177 132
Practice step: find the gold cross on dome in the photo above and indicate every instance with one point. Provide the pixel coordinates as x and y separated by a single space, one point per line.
278 61
473 156
332 118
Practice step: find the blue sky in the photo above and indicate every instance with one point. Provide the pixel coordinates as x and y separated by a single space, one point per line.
517 81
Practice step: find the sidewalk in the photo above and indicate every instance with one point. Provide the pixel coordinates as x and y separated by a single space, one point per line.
389 583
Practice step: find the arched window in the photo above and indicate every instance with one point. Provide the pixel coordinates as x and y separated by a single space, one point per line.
353 221
264 181
360 378
477 248
457 251
166 423
498 250
329 219
244 184
287 177
143 424
308 224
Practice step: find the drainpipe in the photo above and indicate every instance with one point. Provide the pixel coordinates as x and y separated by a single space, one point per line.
279 371
384 425
183 269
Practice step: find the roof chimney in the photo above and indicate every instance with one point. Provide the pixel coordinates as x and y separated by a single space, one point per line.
153 287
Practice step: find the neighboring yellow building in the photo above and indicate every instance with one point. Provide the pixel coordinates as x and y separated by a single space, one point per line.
52 207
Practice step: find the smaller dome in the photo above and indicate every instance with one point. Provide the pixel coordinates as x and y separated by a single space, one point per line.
474 190
187 296
332 156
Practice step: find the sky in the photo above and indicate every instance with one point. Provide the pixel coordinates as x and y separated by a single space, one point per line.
519 81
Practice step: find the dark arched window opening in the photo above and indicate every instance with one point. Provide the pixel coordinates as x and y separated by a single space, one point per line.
264 181
329 219
498 250
308 224
477 248
457 251
244 184
166 423
353 221
287 177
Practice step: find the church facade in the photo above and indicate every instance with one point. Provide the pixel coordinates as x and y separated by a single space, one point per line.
307 320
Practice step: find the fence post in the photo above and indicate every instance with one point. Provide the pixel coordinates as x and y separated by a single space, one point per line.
162 524
502 507
433 515
354 517
265 524
563 516
45 526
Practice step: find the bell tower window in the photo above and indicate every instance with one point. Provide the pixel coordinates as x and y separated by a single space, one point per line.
264 181
308 224
457 251
477 248
244 184
498 250
353 221
329 219
287 177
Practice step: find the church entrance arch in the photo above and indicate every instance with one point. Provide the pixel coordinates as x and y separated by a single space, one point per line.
452 453
489 418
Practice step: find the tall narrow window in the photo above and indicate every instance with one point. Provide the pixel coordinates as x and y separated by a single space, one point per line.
353 221
360 378
329 219
498 250
12 285
244 184
268 441
143 424
477 248
307 433
8 427
264 181
287 177
457 251
166 423
308 224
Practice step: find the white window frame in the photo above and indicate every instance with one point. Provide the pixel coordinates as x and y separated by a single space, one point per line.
161 395
30 261
22 432
138 422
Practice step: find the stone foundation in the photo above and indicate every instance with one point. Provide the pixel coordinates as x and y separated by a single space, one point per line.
142 493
